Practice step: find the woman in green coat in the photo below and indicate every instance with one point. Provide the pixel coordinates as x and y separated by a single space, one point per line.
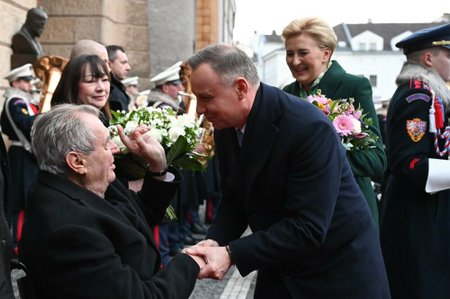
310 43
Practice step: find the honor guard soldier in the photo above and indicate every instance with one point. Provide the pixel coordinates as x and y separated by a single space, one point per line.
131 85
415 231
17 118
167 86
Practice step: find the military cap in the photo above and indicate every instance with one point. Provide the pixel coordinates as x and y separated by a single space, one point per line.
169 75
130 81
24 72
426 38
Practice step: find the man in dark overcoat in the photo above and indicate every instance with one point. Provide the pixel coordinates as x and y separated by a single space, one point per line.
312 232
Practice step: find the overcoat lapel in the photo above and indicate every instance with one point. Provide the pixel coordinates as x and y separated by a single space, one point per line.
328 84
260 136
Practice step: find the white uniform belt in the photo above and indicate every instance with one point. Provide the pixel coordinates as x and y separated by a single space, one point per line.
16 143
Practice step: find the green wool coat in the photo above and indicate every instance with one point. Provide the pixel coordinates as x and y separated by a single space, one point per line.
366 165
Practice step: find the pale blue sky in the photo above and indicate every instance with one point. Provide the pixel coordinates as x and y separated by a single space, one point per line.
267 15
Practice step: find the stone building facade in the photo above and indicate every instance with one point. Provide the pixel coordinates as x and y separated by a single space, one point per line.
154 33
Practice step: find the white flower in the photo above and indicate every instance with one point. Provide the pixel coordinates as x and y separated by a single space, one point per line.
130 126
155 134
356 126
185 120
123 149
166 126
175 132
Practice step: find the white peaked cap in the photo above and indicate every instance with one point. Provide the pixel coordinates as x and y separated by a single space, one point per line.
170 74
130 81
25 71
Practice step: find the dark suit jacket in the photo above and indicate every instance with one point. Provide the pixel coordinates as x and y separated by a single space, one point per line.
366 165
118 98
292 184
78 245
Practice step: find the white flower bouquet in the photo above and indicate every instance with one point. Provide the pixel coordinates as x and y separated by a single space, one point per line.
178 134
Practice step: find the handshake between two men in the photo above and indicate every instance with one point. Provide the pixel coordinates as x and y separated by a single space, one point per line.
214 260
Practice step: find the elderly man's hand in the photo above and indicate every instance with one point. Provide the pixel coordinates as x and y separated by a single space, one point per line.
145 147
217 259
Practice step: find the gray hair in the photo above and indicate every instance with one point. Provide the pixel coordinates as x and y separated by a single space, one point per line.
229 62
60 131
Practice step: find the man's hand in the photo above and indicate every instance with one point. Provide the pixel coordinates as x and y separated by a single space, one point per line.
145 147
208 242
217 260
199 260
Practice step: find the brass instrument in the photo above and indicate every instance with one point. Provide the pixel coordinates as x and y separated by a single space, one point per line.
190 102
49 70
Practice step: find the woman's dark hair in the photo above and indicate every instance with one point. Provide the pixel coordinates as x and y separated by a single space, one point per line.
68 86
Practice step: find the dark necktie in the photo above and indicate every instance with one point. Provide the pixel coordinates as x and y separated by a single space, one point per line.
240 136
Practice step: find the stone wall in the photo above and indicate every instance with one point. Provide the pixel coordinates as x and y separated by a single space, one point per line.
119 22
154 33
172 32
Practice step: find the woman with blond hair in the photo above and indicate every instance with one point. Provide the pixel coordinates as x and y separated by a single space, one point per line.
310 43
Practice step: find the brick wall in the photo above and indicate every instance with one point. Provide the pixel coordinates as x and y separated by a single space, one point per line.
207 23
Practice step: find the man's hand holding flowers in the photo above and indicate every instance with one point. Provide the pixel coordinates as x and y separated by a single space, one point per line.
178 135
142 145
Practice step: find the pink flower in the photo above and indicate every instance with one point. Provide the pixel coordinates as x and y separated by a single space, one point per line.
360 135
357 114
343 125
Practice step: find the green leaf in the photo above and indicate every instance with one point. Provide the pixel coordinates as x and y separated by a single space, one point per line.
188 163
178 149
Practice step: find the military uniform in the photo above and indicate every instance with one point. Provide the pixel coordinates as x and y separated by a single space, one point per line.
17 117
415 227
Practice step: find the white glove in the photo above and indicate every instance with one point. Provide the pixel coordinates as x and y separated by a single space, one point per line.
438 175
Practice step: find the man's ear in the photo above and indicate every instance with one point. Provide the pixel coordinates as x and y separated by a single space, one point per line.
165 88
427 58
76 162
242 86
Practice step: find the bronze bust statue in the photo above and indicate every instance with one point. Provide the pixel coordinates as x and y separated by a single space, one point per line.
25 44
